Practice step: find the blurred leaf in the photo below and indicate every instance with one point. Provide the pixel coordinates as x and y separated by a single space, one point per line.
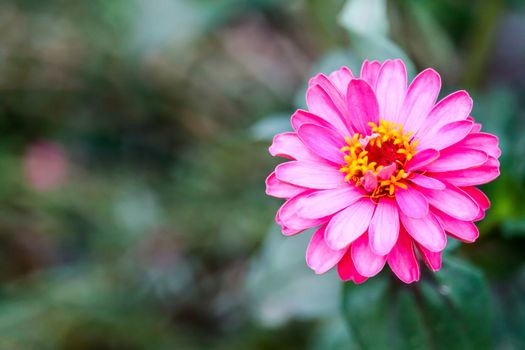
281 287
333 335
429 42
327 63
366 17
266 128
448 312
367 26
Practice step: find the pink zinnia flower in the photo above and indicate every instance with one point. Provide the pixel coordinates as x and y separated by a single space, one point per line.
382 170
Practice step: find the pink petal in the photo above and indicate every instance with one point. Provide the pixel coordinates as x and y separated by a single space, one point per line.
426 231
337 98
457 158
431 259
448 135
452 201
310 174
288 145
412 203
480 197
484 142
402 260
319 257
340 78
386 172
421 159
288 218
279 189
301 117
420 98
362 105
472 176
369 72
321 104
350 223
427 182
327 202
390 89
465 231
366 262
384 226
323 142
347 270
454 107
369 181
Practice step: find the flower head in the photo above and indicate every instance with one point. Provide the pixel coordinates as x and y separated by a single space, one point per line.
383 171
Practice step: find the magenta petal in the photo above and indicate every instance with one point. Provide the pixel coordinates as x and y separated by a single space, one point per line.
472 176
362 105
289 145
337 98
292 223
454 107
390 89
301 117
323 142
384 226
321 104
323 203
448 135
421 159
453 201
367 263
427 182
484 142
426 231
310 174
350 223
465 231
369 72
402 260
420 98
431 259
457 158
279 189
340 78
480 197
412 202
319 257
347 271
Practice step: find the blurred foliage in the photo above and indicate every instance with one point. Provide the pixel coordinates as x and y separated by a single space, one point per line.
134 151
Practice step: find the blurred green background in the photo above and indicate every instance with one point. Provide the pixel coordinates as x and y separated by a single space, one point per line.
133 150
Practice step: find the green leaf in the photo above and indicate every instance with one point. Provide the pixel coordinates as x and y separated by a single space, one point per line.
366 17
367 25
447 310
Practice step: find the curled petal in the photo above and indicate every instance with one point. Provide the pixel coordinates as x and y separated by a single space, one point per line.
426 231
402 260
367 263
279 189
320 257
347 271
323 142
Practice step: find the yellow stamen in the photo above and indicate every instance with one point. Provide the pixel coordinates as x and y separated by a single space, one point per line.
357 158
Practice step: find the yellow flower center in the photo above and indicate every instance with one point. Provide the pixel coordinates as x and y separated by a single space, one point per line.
377 162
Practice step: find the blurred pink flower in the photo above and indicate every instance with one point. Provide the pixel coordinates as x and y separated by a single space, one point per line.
382 170
45 165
